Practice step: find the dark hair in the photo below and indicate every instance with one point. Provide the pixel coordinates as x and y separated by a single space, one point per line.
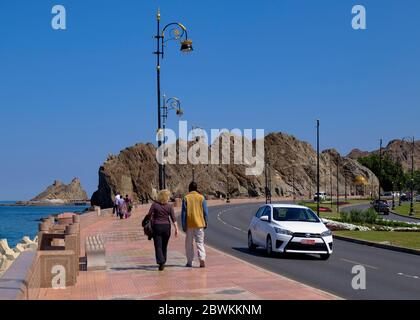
193 186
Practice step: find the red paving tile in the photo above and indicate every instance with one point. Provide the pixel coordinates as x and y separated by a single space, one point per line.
132 273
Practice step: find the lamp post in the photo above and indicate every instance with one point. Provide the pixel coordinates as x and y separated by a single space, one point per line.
293 184
393 195
345 188
331 183
413 145
197 139
177 32
338 175
317 168
380 170
168 104
267 182
227 185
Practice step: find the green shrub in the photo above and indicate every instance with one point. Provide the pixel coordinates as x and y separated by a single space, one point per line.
345 216
359 216
370 215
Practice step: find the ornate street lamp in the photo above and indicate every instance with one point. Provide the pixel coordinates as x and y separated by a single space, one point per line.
197 138
380 170
393 195
168 105
176 31
317 168
413 145
267 189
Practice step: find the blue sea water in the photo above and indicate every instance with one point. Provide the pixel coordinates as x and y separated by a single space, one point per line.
19 221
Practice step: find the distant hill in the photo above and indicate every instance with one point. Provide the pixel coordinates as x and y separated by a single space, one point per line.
397 150
134 172
59 192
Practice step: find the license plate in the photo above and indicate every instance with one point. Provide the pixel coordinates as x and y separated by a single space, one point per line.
307 241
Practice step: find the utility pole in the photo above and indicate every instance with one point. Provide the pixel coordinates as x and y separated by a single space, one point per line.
345 187
227 185
293 184
380 170
331 182
412 178
267 183
317 168
338 175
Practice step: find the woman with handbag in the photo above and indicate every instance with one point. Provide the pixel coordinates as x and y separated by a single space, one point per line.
162 215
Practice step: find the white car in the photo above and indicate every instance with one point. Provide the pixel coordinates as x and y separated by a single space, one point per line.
286 228
322 196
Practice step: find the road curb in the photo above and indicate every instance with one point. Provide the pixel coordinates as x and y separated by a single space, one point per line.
401 215
378 245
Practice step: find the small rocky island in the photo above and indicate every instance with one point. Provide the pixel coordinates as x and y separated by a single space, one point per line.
60 193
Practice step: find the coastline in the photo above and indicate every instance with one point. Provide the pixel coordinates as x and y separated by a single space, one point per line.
17 220
45 204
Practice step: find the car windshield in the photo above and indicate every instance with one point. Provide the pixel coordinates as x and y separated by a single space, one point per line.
294 214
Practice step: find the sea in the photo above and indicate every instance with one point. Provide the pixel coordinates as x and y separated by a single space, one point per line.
19 221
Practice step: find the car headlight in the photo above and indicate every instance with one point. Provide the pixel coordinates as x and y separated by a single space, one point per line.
283 231
326 233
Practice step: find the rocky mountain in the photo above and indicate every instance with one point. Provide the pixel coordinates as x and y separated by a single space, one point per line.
290 163
60 192
397 150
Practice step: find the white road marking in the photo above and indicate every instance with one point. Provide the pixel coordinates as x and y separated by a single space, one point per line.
408 276
227 224
359 263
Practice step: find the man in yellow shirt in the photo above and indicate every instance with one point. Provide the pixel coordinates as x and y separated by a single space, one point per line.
194 218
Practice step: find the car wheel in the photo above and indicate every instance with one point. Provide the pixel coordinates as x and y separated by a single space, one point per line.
325 256
269 246
251 245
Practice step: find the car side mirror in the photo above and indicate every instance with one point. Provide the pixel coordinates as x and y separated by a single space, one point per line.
265 218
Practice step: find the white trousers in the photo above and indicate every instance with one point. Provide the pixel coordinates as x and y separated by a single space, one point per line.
196 235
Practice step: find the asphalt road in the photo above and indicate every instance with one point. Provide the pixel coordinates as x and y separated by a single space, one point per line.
391 216
389 274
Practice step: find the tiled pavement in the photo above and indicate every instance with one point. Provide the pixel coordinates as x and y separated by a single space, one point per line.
132 272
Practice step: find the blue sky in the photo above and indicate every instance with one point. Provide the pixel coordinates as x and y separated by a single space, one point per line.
69 98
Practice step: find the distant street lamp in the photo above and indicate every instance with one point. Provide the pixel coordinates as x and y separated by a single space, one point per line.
345 188
267 188
197 139
293 184
393 195
227 185
413 145
331 183
317 168
380 170
176 33
338 175
168 104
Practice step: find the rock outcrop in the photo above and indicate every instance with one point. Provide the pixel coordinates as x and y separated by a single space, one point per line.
59 192
398 150
290 163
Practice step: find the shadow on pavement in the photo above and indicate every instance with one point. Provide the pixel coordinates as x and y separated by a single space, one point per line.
145 267
281 256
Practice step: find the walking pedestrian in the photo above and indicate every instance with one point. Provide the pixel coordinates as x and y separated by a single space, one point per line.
162 215
194 221
129 204
116 204
122 208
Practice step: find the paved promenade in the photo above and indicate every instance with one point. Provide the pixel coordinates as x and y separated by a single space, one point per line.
132 272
